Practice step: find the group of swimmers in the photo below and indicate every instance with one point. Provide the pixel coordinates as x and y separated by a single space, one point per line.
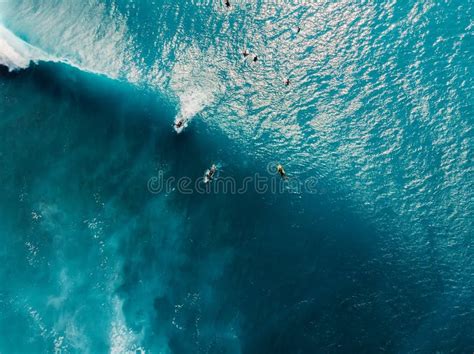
180 124
211 173
246 54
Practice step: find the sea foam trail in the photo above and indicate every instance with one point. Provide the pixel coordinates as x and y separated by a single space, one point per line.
194 82
15 53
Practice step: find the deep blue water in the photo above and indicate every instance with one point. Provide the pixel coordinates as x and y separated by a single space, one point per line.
377 256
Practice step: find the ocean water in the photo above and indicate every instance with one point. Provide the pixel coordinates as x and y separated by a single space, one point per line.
376 255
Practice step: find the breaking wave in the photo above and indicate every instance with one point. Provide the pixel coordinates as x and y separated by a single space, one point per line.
15 53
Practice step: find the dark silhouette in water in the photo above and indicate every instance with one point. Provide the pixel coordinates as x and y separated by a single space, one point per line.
210 174
281 171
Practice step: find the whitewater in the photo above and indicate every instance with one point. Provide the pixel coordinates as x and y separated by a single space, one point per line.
16 54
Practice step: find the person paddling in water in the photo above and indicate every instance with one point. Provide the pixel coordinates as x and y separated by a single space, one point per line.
227 3
210 174
281 171
212 171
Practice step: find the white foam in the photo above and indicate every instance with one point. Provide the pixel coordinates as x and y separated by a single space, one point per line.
15 53
194 82
122 339
86 35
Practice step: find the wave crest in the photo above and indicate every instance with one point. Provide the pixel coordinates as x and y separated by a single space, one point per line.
15 53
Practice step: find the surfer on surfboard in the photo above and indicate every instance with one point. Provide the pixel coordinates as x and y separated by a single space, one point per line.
210 174
180 124
281 171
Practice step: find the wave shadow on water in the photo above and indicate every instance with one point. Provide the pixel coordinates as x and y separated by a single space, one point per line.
213 273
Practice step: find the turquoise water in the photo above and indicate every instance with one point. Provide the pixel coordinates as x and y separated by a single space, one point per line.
376 256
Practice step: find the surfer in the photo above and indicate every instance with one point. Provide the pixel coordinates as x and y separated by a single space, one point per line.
287 82
180 124
210 173
281 171
255 58
245 53
298 29
227 3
